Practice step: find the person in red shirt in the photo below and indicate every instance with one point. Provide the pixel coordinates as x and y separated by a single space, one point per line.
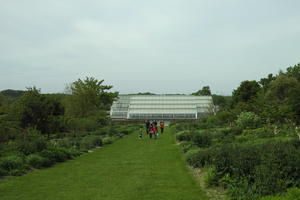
162 126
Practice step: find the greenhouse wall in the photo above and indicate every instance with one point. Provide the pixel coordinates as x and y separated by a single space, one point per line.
161 107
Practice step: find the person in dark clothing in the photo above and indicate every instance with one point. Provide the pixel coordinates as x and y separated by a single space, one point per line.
147 124
162 126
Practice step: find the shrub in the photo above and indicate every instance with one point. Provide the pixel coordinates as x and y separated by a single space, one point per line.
236 160
32 141
263 132
73 152
56 155
184 136
64 143
82 124
90 142
107 140
11 162
202 140
279 168
3 172
200 158
247 120
186 146
211 177
17 172
37 161
292 194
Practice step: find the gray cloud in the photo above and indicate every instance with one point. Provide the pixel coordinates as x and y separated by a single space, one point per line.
160 46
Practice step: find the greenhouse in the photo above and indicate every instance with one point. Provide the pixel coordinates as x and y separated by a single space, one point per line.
161 107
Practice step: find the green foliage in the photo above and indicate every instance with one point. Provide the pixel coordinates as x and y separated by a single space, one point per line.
205 91
248 120
88 96
11 162
186 146
8 131
107 140
200 158
31 141
211 177
184 136
246 92
202 140
292 194
223 102
12 93
279 168
55 155
37 161
90 142
36 110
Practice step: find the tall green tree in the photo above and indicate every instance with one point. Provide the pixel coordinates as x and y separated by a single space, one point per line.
36 110
283 96
89 96
294 72
246 92
205 91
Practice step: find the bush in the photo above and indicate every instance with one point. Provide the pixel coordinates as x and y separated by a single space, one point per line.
236 160
90 142
186 146
56 155
200 158
211 177
107 140
10 163
292 194
31 142
263 132
202 140
17 172
247 120
73 152
279 168
82 124
37 161
184 136
3 172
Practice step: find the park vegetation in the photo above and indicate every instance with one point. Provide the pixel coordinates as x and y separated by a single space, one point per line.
251 147
38 130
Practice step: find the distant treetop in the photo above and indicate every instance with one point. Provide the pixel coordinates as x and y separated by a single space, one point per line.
12 93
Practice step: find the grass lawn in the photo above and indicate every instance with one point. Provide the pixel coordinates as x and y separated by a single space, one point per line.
128 169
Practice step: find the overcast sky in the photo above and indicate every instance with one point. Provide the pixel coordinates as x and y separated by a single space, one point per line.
161 46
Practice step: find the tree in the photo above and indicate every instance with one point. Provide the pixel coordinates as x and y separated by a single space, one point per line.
246 92
88 96
36 110
283 98
294 72
223 102
205 91
264 82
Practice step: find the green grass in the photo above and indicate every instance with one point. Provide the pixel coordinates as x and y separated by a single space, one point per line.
128 169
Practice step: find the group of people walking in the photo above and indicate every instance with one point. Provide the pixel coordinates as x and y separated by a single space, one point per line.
152 129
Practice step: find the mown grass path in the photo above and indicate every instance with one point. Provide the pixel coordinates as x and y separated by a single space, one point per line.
129 169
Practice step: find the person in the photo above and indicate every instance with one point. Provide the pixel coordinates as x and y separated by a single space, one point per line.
150 133
162 126
147 126
140 133
155 131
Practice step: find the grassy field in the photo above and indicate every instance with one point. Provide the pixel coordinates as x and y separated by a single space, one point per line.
128 169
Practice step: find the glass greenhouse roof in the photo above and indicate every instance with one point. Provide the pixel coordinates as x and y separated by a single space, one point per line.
161 107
